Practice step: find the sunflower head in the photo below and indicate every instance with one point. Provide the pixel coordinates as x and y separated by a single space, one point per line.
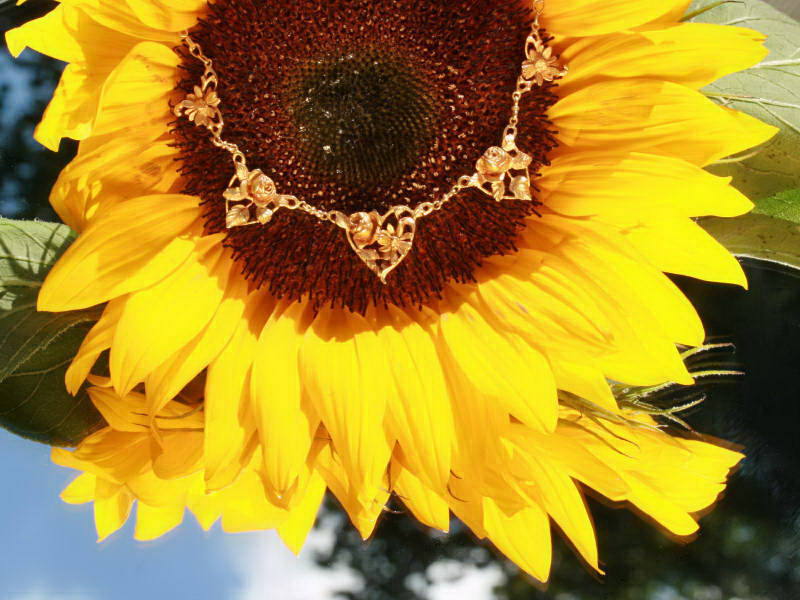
371 301
372 114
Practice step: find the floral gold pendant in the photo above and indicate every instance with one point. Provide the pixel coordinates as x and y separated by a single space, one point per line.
381 241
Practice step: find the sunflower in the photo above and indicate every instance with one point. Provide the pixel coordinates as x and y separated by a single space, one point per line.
255 363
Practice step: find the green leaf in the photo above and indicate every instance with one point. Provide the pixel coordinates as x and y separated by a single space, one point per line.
768 91
785 205
36 347
758 236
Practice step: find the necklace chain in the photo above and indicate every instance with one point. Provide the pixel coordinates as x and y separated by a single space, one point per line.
381 241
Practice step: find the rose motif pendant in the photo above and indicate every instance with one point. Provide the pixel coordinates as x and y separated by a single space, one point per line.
381 241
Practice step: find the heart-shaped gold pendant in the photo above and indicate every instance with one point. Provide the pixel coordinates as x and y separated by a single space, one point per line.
381 241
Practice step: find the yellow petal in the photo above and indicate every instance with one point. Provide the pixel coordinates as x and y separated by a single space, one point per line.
681 246
145 19
112 455
692 54
364 513
206 507
154 521
81 490
343 369
548 307
129 413
154 491
297 526
167 15
166 381
638 115
561 447
111 169
428 507
419 414
715 461
47 35
112 506
478 422
675 14
562 501
246 508
558 308
227 390
610 186
181 454
501 366
138 90
676 316
585 381
158 321
96 98
662 510
597 17
286 424
667 478
71 110
524 537
131 246
467 505
94 344
613 270
121 413
689 475
93 51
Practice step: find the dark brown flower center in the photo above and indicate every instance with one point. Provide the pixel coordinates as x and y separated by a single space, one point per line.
360 119
361 105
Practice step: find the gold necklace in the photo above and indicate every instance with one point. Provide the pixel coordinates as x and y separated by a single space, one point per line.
381 241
